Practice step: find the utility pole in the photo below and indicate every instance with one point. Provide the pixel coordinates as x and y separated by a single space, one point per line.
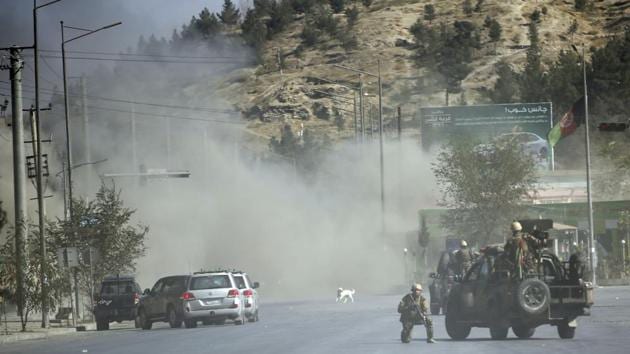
361 108
380 124
37 153
42 240
86 132
19 174
134 153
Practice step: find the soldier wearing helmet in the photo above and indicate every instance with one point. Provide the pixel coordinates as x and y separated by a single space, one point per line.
463 259
413 310
517 252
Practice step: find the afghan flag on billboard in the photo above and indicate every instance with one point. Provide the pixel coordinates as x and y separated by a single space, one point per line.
568 124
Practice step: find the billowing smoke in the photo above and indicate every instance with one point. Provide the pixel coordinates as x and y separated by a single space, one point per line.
295 234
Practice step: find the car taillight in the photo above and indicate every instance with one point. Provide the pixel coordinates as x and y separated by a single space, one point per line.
248 293
136 298
232 293
187 296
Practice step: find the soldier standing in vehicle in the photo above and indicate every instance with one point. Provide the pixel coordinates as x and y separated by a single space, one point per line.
413 310
517 250
463 259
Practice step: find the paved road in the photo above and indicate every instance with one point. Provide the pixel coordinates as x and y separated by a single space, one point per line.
370 325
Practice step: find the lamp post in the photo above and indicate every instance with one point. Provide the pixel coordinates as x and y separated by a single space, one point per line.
38 166
65 94
380 123
405 251
589 197
67 121
623 255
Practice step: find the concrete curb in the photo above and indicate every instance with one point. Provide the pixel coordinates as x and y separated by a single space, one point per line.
21 336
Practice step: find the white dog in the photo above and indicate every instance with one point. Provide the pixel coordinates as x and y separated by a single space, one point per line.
345 295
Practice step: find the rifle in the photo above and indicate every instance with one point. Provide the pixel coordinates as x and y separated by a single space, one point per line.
418 316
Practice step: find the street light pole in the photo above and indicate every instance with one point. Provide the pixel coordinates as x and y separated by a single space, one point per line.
593 250
380 119
38 163
67 121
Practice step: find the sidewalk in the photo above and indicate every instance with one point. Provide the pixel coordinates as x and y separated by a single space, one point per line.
10 330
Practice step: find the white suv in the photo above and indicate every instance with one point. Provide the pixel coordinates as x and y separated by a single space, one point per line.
250 295
213 298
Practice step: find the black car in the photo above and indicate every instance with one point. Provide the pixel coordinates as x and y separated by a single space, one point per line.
116 300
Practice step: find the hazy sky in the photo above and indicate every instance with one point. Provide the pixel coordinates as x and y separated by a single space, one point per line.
139 17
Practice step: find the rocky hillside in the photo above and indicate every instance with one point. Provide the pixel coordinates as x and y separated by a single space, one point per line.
301 94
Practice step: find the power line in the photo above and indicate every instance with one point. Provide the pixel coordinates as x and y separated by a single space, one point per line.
230 61
141 55
33 71
51 69
165 116
118 100
155 114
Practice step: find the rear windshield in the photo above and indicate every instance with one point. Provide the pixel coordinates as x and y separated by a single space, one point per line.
117 288
240 282
210 282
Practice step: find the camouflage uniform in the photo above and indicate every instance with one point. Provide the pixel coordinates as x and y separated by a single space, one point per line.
463 261
518 254
409 316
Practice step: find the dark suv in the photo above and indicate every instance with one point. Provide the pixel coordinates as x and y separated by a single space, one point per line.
116 300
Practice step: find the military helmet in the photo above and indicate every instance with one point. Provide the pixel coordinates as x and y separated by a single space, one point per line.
516 226
463 243
416 286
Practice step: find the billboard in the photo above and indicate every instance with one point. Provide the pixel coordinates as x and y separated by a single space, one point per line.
529 124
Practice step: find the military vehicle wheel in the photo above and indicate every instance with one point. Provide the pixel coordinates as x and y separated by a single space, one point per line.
533 296
499 332
173 320
565 331
435 309
523 332
457 331
145 323
190 323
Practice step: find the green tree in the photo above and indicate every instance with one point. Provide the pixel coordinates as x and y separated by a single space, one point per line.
580 5
482 187
102 230
478 5
57 279
467 7
352 15
280 15
429 12
367 3
229 14
254 30
303 6
504 90
310 34
532 79
535 16
494 31
339 121
3 217
573 28
337 5
287 144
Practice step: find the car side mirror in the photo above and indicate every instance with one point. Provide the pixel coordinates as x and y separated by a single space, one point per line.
432 275
256 285
146 292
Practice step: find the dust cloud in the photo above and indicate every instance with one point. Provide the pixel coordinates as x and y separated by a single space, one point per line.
297 236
